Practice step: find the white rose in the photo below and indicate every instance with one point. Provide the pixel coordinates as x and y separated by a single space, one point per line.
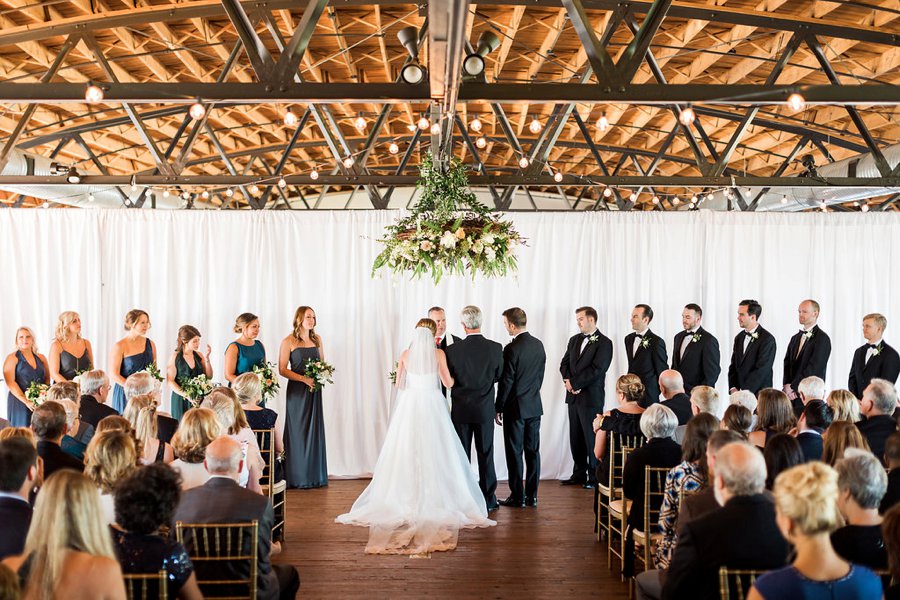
477 247
488 240
426 246
490 253
448 240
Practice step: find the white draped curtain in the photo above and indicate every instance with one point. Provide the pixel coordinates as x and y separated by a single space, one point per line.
206 267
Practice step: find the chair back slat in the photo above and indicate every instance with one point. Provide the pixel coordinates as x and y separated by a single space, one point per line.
618 441
735 584
654 492
215 546
149 586
266 440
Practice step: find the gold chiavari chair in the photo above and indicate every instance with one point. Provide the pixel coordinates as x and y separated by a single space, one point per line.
277 491
212 547
148 586
735 583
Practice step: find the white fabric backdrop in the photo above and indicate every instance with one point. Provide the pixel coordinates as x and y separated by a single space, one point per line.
204 268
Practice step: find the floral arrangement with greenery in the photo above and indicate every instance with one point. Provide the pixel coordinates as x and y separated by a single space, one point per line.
266 374
320 372
195 388
37 393
153 370
448 231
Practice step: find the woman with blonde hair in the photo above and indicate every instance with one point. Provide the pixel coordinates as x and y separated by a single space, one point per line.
18 432
249 393
141 414
845 406
20 369
111 456
774 414
134 352
304 427
624 420
233 423
68 552
79 434
186 363
246 351
199 426
70 354
839 436
806 512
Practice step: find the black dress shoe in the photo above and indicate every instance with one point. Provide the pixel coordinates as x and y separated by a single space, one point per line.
530 501
590 485
493 507
512 503
572 481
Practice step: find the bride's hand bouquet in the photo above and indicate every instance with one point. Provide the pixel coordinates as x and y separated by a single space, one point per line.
320 372
37 393
266 374
195 389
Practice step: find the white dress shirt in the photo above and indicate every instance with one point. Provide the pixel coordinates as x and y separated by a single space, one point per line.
870 352
747 338
637 341
687 340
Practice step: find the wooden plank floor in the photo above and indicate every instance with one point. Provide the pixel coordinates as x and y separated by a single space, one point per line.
544 552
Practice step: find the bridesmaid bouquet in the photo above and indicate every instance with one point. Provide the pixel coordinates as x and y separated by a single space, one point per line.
195 388
320 372
266 374
37 393
153 370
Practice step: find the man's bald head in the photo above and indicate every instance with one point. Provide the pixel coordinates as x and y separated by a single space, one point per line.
740 470
670 383
223 457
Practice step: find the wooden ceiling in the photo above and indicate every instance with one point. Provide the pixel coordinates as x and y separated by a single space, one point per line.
358 43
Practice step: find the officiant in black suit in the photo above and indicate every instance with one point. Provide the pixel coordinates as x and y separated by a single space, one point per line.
476 364
442 339
695 353
646 353
519 408
754 352
874 359
583 368
807 353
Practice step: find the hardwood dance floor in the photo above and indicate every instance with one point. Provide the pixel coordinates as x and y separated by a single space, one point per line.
547 552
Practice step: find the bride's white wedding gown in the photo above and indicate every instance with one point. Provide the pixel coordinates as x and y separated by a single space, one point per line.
423 490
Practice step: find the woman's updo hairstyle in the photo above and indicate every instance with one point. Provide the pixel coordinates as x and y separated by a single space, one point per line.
243 320
630 386
133 316
807 495
426 322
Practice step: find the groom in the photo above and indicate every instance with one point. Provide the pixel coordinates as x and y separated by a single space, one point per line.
476 364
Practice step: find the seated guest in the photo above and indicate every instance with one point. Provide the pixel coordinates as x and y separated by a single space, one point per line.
4 424
79 431
890 530
738 419
48 421
810 388
94 391
249 392
704 400
879 401
233 423
781 453
747 399
115 423
624 420
686 478
9 581
198 429
145 501
140 411
18 432
671 386
861 486
844 404
222 500
111 456
70 444
814 420
837 438
807 512
68 552
18 476
773 415
892 459
741 535
141 383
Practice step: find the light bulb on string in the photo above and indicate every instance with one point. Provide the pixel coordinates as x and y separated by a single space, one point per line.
290 119
607 192
197 111
93 94
676 200
694 199
348 162
185 194
558 176
254 189
655 199
475 124
204 194
603 123
796 102
784 199
282 182
436 129
360 122
423 123
90 197
687 116
864 207
523 162
633 197
166 193
314 175
481 142
229 193
709 197
534 126
393 148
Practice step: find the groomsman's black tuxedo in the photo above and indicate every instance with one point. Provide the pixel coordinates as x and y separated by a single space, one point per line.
519 401
647 363
443 346
700 363
476 364
884 365
812 359
752 370
586 371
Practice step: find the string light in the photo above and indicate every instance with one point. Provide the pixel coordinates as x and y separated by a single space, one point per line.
393 148
360 122
229 193
603 123
436 129
93 94
186 194
796 102
523 162
282 183
481 142
687 116
475 124
348 162
90 197
694 199
709 197
655 199
607 192
676 200
166 193
423 123
534 126
314 175
198 111
290 119
204 194
633 197
784 199
558 176
254 189
864 207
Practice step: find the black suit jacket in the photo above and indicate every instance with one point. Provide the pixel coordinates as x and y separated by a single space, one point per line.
15 514
810 445
475 364
221 500
876 430
92 411
586 371
812 360
56 459
753 370
680 404
740 535
519 390
647 363
443 346
700 364
884 365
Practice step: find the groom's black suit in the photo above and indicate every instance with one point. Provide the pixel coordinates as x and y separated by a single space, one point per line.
443 346
476 364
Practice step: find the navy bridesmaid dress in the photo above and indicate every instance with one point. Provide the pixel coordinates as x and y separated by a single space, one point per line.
131 365
18 413
304 428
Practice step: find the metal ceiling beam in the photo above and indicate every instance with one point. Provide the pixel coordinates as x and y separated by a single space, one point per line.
601 62
620 202
295 48
446 38
801 143
256 50
635 52
279 168
126 200
473 150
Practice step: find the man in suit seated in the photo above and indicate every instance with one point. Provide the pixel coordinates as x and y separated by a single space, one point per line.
879 400
144 383
811 388
94 390
48 421
704 399
18 476
671 386
222 500
874 359
742 535
747 399
813 422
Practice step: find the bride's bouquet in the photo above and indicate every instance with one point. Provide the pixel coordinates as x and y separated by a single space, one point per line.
153 370
195 389
37 393
266 374
320 372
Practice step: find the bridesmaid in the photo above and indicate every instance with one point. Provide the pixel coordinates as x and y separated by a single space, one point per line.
70 354
133 353
246 352
304 428
186 361
20 369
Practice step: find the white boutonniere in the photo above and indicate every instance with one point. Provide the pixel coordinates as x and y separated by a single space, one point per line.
645 343
696 337
593 339
808 335
877 350
754 336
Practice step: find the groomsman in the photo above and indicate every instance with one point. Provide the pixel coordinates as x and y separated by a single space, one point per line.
754 352
808 351
441 338
583 369
875 359
646 353
695 353
519 408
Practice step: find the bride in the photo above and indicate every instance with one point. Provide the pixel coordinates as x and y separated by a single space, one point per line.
423 490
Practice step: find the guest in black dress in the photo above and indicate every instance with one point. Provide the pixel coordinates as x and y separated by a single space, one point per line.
145 501
861 486
70 354
186 363
20 369
304 429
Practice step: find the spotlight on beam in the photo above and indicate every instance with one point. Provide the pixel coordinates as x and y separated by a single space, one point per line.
474 64
412 72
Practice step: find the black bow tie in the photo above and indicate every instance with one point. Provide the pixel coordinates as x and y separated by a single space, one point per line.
873 346
586 335
747 333
639 336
